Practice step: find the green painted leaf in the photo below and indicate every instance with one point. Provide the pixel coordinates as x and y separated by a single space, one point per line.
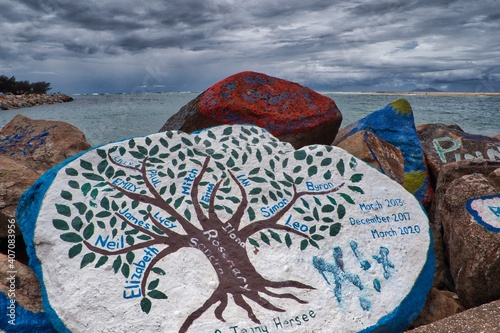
328 175
105 203
153 151
158 271
101 167
356 189
66 195
341 167
77 223
86 188
264 238
86 165
125 270
297 169
87 259
178 202
117 264
341 211
251 213
317 237
347 198
357 177
304 244
312 230
299 210
88 231
60 224
89 215
316 213
255 191
74 184
81 207
130 240
275 236
258 179
145 305
63 210
153 284
253 242
323 227
92 176
187 214
327 208
312 170
335 229
288 240
75 250
131 143
94 193
228 131
156 294
71 172
313 243
102 153
353 163
332 200
327 161
102 260
130 257
327 220
299 155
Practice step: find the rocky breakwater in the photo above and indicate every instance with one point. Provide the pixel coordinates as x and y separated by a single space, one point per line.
10 101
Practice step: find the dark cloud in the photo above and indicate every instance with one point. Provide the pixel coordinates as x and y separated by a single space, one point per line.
190 44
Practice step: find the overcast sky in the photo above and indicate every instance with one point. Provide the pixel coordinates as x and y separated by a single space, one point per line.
188 45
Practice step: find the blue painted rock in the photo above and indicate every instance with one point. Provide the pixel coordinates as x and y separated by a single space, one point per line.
228 229
289 111
470 215
379 153
444 144
395 124
21 297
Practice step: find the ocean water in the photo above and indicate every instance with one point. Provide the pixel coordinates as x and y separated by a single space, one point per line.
108 118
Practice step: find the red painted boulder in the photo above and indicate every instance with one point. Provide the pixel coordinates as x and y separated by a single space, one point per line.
291 112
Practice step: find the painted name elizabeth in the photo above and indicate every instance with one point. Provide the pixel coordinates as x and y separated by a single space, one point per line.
148 198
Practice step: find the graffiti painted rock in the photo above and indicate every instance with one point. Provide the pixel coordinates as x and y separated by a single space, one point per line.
449 173
481 319
470 215
228 229
27 149
395 124
379 153
293 113
445 144
40 144
21 298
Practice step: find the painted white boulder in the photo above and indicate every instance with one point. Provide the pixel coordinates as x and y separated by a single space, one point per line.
222 231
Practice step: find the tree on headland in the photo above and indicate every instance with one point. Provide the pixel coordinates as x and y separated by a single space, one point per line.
175 194
10 85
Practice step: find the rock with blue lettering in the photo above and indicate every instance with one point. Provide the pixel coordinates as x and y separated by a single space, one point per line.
444 144
225 230
470 215
395 124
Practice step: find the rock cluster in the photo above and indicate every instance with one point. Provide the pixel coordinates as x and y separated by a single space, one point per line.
456 175
10 101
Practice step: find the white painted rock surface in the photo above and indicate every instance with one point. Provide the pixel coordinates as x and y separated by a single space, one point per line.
227 230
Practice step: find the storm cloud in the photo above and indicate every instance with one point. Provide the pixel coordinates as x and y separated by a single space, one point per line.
355 45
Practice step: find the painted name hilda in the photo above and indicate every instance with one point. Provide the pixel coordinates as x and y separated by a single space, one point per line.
227 230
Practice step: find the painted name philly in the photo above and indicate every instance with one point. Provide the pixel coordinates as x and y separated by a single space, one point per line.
225 192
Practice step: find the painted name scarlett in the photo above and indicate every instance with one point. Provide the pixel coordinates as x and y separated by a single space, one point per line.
129 186
188 181
133 285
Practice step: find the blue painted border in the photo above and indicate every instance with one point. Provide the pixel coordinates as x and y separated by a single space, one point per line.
26 320
411 306
477 217
27 215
